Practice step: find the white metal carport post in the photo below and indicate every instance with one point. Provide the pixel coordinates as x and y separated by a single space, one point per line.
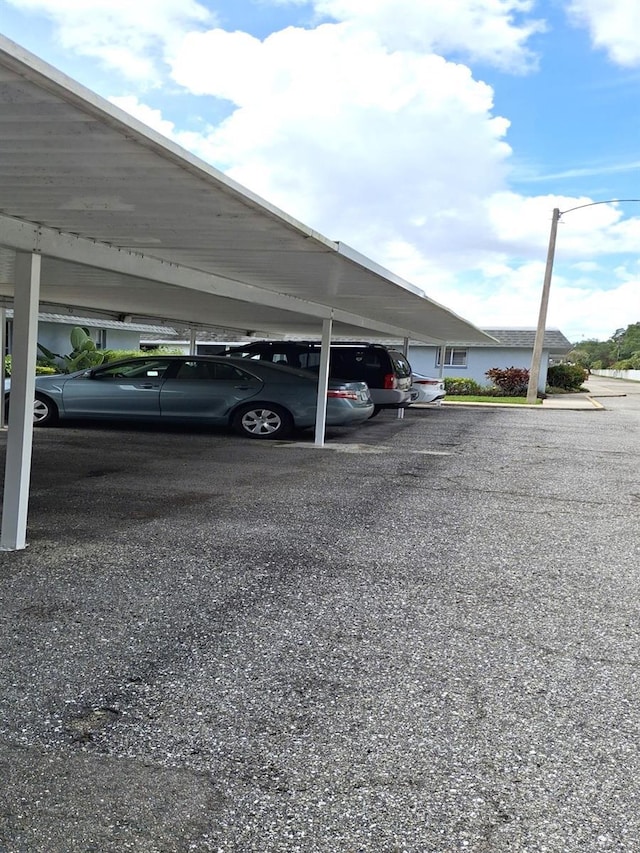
13 536
323 381
443 355
405 350
3 346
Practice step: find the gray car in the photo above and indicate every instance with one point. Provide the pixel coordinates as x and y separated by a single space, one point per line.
256 399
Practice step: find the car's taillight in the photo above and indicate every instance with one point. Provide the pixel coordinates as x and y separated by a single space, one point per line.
390 382
343 395
426 382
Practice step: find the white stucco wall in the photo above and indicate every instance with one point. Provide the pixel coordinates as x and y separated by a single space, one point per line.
479 359
631 375
56 337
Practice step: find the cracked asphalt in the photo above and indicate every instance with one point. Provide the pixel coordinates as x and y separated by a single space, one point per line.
427 644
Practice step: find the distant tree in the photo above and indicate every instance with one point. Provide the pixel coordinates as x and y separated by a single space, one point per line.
593 354
628 342
622 346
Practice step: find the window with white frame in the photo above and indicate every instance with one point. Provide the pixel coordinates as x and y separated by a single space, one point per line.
100 338
453 357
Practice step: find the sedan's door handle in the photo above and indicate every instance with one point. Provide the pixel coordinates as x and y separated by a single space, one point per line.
148 386
242 387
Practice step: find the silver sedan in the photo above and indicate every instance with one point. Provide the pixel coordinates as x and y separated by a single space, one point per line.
256 399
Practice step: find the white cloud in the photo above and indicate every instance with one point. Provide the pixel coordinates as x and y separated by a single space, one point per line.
500 294
365 144
590 311
614 26
147 115
494 31
585 230
124 35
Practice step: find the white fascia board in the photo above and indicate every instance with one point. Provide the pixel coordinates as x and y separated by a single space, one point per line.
27 237
24 236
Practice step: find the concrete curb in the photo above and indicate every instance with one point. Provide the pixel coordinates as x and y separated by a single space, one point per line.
585 403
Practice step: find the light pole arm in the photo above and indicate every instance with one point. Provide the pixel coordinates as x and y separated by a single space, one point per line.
534 373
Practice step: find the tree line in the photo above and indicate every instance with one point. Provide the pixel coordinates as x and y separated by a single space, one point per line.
620 352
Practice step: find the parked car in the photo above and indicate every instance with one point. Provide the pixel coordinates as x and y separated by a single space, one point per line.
387 372
426 389
256 399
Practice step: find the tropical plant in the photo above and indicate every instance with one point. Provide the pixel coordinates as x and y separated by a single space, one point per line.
512 381
83 355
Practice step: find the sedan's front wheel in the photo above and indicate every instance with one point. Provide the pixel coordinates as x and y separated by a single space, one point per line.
44 411
262 421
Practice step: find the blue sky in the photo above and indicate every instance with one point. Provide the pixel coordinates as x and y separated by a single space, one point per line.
436 138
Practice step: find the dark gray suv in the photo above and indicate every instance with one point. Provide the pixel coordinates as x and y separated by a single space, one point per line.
387 372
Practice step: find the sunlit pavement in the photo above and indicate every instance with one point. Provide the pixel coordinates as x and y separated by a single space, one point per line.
214 644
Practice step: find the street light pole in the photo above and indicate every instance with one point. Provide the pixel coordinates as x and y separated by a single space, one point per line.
534 373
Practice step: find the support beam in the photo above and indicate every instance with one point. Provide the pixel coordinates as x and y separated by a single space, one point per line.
27 237
13 536
323 382
405 351
443 355
3 347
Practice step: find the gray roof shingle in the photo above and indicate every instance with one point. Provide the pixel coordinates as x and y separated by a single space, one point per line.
554 340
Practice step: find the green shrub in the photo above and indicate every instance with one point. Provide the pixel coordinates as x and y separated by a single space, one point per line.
631 363
569 377
116 354
460 386
41 369
511 381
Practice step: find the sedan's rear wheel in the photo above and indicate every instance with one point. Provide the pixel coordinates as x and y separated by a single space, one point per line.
262 421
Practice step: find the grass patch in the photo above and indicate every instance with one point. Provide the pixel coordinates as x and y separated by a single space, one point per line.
479 398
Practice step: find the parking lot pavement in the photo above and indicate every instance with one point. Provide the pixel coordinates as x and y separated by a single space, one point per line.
428 644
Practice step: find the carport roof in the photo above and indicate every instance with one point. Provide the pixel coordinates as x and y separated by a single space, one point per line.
128 223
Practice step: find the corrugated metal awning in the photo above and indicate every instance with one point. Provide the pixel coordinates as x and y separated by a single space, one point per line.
128 222
99 323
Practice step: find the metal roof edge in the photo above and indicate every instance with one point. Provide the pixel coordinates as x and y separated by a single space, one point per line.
363 261
97 322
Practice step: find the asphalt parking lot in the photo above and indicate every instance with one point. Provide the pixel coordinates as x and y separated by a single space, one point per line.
421 639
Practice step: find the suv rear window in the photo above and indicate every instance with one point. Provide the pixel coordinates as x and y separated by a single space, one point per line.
403 368
370 363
